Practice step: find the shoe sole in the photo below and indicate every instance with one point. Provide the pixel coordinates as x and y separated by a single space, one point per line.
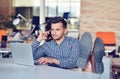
85 50
98 52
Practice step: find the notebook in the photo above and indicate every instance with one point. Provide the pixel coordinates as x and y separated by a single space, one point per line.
22 54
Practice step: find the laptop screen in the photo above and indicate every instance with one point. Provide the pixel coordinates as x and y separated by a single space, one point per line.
22 54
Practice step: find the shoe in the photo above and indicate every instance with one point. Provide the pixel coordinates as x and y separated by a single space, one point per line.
85 50
98 53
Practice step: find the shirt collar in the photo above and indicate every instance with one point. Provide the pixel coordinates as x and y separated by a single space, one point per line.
61 42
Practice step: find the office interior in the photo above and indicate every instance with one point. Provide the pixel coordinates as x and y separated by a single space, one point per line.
81 15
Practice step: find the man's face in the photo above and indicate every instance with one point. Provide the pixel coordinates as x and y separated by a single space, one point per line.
57 31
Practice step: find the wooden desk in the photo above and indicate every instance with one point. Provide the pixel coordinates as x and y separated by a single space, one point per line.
8 70
115 67
115 62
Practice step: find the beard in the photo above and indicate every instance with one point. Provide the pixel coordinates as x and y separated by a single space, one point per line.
57 38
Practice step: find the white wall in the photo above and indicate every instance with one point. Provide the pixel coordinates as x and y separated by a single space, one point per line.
19 3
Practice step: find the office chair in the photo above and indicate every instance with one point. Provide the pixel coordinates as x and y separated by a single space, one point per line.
107 37
3 41
109 41
35 21
2 33
3 38
66 15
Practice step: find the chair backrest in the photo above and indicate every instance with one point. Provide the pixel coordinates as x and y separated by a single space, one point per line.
107 37
109 41
66 15
4 41
2 33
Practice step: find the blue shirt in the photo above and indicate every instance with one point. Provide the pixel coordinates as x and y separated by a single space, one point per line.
67 52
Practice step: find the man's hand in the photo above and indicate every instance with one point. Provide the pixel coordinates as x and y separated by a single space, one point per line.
46 60
42 36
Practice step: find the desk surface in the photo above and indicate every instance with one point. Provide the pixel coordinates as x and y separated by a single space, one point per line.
115 62
9 70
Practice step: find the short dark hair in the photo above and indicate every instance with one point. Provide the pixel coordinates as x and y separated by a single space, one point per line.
59 19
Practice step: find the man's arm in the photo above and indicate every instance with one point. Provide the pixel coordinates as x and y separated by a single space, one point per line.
64 62
38 51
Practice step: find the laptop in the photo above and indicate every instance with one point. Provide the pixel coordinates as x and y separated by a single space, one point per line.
22 54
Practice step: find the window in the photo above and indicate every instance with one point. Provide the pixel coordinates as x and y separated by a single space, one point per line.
58 7
61 6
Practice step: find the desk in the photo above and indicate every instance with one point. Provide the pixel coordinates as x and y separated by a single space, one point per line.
115 67
8 70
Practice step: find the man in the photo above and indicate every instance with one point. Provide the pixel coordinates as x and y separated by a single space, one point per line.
62 51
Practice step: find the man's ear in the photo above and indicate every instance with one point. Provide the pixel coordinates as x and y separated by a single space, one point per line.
65 31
